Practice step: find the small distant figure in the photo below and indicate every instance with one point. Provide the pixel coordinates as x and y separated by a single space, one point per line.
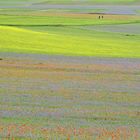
101 17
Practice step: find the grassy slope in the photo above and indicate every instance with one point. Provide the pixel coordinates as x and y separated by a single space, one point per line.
108 45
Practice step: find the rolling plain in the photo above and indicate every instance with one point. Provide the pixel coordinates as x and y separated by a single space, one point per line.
69 70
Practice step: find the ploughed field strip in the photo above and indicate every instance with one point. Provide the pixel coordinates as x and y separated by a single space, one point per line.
59 2
55 96
130 29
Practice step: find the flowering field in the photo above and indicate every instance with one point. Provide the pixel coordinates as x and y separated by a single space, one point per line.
69 70
16 132
57 97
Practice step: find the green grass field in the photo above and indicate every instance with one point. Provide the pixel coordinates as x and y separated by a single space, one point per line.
77 42
18 40
64 19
